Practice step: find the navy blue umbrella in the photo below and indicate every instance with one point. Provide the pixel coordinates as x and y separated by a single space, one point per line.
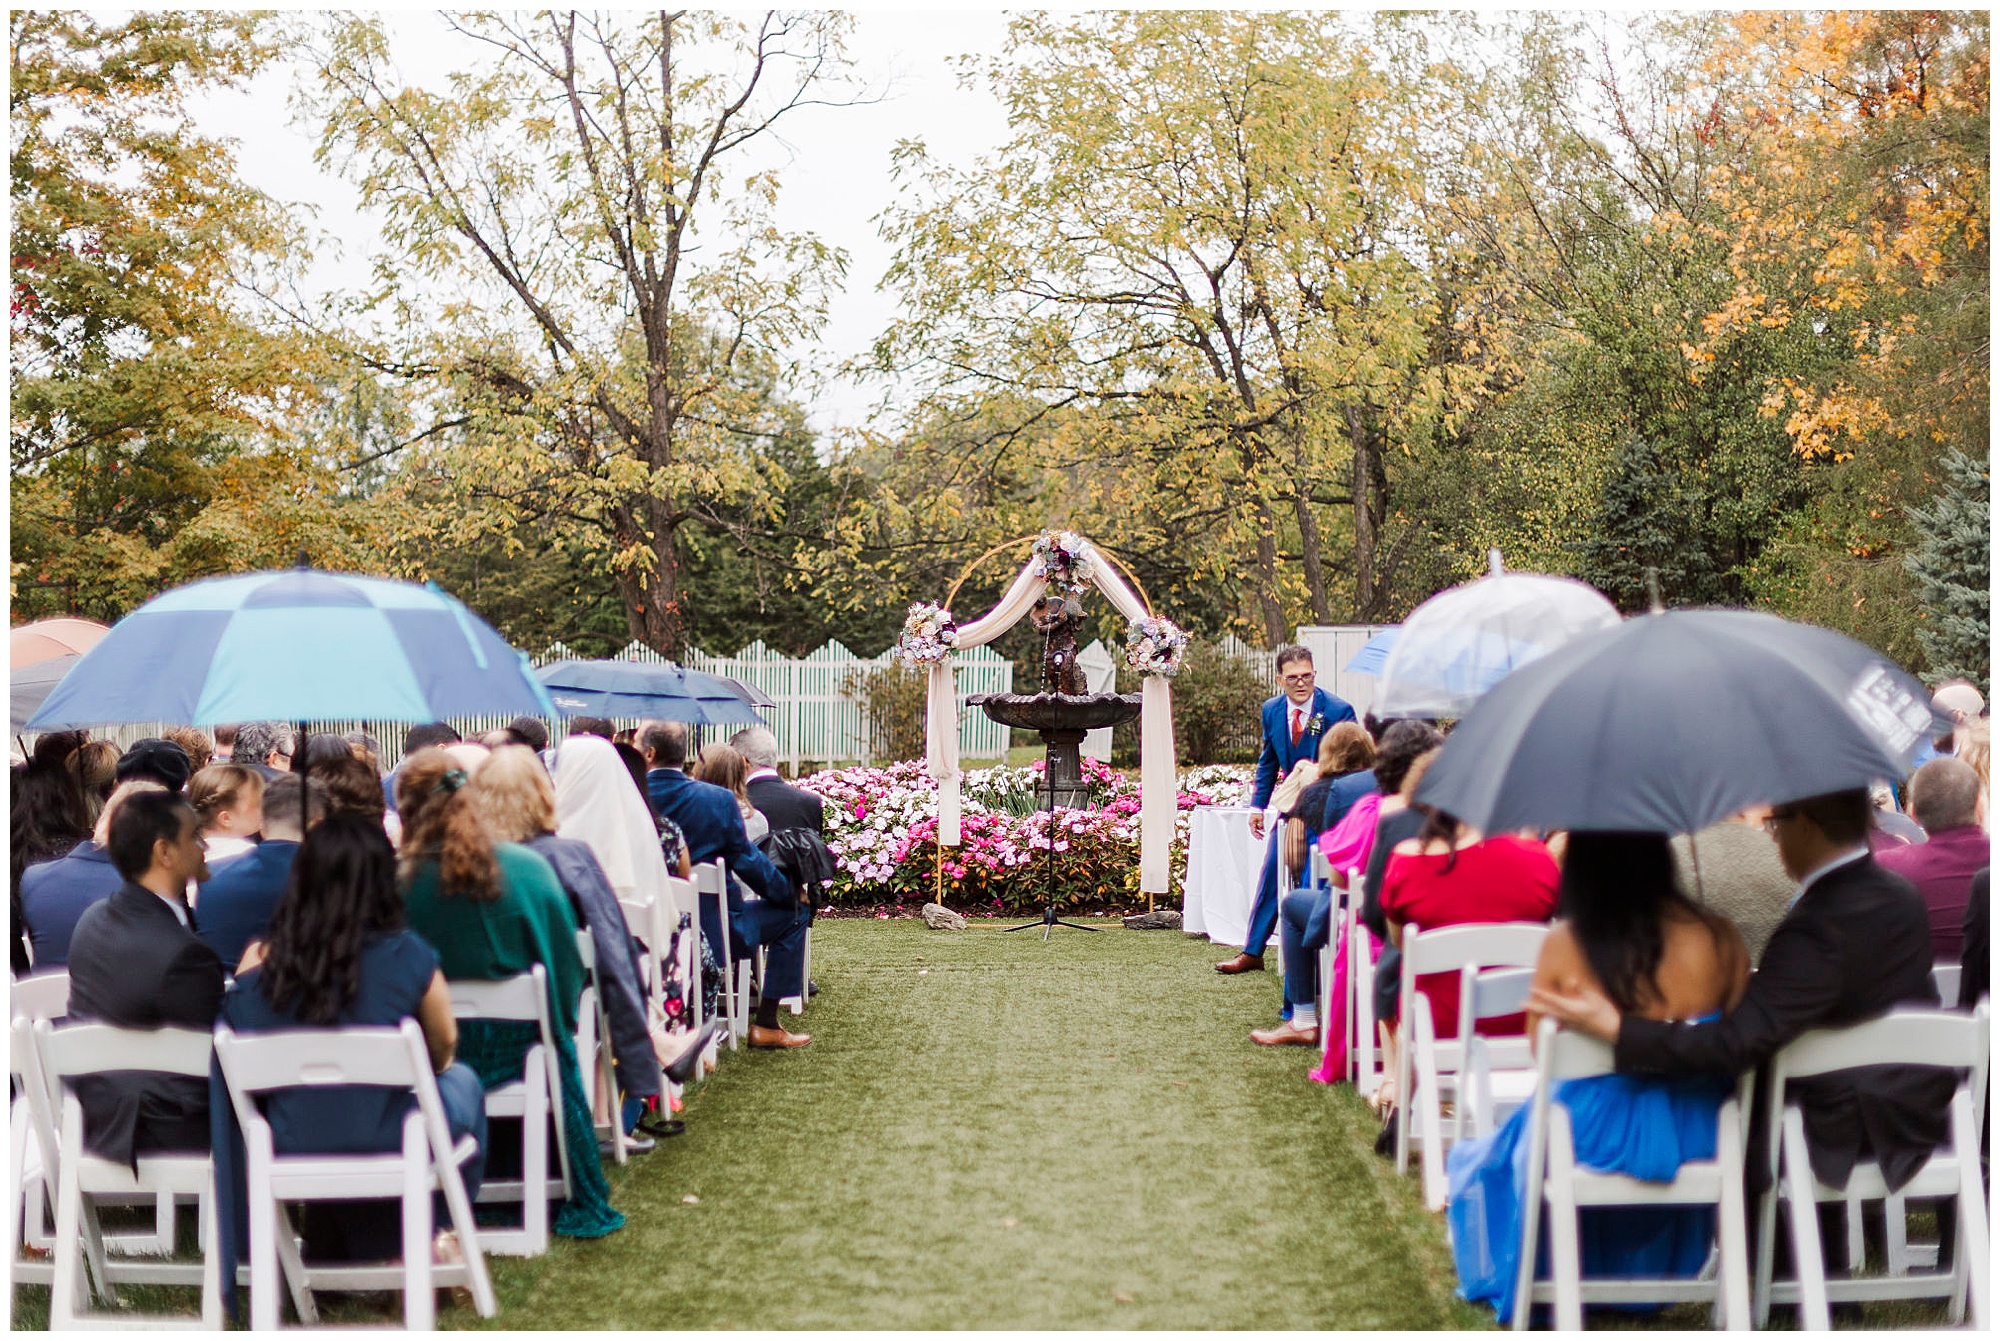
1669 722
298 645
645 689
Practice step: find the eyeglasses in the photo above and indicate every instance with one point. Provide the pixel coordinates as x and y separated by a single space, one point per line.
1775 818
1304 677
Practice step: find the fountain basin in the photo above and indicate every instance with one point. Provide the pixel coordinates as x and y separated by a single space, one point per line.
1058 712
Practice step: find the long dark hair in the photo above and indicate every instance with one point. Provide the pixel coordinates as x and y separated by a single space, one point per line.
47 816
342 896
1617 893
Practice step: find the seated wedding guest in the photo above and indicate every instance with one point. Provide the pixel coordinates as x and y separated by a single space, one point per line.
225 744
1855 944
1305 916
54 894
338 955
1975 749
635 764
1890 827
723 767
1292 722
711 822
1732 868
1628 933
365 748
497 737
322 748
200 749
1944 797
155 760
236 903
230 800
469 755
264 747
530 731
419 737
47 817
591 726
135 962
352 787
492 911
1450 875
791 812
1346 774
518 803
97 775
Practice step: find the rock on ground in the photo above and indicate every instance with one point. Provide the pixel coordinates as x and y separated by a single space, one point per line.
940 918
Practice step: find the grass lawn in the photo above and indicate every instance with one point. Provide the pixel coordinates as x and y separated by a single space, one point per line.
989 1131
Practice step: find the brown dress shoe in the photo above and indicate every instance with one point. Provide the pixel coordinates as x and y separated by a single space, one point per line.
1285 1034
1244 963
760 1037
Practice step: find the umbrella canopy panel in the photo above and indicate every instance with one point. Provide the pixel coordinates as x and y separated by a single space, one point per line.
47 639
642 689
1670 722
291 646
1460 643
32 684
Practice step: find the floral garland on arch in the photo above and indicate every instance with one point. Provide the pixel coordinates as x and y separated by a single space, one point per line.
929 635
1064 559
1155 645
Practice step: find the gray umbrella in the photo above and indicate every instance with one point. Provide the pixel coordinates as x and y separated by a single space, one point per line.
1670 722
33 683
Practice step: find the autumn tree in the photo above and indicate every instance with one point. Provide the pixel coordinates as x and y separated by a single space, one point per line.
593 193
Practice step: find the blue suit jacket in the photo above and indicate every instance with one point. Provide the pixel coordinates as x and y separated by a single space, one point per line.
55 893
713 825
235 906
1279 755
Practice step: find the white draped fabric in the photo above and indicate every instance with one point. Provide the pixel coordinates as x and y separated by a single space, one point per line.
1157 780
597 805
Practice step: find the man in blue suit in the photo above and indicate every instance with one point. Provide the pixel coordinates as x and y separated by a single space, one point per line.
55 893
1293 723
712 823
235 906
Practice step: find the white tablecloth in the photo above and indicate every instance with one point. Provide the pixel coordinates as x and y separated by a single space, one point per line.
1224 861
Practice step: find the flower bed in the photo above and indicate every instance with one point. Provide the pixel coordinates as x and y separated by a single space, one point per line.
881 824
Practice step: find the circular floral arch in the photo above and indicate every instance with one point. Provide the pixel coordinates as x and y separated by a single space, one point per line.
1154 646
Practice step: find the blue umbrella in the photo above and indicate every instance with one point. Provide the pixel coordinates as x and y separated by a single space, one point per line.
298 645
1374 655
645 689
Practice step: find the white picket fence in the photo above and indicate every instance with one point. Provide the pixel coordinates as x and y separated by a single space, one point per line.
814 719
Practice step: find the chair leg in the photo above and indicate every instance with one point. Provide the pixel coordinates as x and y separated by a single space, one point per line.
1856 1244
264 1240
211 1258
1565 1248
1807 1253
66 1299
1767 1230
1895 1235
1970 1263
294 1268
535 1160
419 1299
1733 1273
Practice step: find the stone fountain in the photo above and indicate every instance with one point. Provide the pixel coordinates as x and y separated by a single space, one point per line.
1063 712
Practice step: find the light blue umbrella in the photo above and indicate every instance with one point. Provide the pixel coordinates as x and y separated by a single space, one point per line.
1374 655
645 689
298 645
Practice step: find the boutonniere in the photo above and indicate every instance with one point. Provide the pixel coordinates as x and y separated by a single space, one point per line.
1314 725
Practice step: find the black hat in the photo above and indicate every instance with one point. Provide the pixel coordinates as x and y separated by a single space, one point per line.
156 760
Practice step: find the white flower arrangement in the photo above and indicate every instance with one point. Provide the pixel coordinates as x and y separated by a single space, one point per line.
1064 559
929 634
1155 645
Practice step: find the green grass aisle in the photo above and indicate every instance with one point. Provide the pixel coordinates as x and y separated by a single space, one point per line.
992 1132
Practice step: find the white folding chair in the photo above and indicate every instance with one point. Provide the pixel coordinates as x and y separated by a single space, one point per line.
1498 1074
593 1050
1557 1180
1427 1068
1945 975
534 1099
1364 1051
684 899
711 881
82 1177
426 1162
1908 1038
30 1219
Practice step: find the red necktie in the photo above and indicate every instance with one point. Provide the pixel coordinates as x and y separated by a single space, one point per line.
1298 724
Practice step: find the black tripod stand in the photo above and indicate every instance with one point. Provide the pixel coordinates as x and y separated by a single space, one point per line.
1048 921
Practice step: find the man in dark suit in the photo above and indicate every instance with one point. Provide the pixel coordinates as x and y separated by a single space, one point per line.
235 905
136 962
786 806
1856 943
711 822
54 894
1293 723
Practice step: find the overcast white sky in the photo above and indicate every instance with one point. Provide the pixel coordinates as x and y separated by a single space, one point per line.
838 179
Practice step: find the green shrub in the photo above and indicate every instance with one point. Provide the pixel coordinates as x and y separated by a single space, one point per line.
892 699
1217 699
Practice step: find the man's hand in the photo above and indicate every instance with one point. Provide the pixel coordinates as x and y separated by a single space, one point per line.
1584 1009
1257 825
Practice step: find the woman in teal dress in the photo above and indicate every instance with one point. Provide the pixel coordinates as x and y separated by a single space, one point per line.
1626 930
492 911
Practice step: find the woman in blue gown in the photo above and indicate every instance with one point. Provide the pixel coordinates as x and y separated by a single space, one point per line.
1628 931
337 953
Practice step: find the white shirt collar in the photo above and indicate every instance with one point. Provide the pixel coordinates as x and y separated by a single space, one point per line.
1817 873
180 909
756 773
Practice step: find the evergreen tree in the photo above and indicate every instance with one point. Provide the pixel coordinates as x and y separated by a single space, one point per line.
1950 565
1642 522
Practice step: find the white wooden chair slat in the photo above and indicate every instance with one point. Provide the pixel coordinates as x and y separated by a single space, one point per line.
535 1099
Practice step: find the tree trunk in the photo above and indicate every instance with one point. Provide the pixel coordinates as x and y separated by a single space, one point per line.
1267 576
1309 547
1360 433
